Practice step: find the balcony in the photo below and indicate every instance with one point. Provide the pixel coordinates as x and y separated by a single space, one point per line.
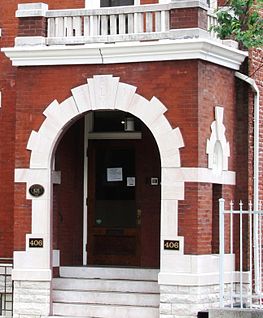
176 30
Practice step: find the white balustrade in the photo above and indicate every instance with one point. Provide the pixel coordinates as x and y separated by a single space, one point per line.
114 24
144 22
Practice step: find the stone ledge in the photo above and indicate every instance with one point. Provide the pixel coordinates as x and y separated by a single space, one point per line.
26 10
235 313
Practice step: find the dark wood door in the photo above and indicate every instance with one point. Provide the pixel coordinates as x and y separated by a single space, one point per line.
113 212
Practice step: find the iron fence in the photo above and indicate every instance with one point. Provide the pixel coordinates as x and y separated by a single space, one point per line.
6 287
241 236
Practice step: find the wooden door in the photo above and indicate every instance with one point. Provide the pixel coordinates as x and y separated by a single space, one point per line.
113 213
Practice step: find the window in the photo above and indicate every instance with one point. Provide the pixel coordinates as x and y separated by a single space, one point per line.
116 3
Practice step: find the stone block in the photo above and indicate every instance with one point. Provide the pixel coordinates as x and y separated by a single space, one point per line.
165 308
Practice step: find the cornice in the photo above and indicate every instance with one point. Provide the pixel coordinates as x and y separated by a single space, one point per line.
127 52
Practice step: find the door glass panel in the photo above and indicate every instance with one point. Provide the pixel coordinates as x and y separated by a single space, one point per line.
115 3
115 199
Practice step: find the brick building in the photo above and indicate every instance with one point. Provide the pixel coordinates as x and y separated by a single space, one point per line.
121 127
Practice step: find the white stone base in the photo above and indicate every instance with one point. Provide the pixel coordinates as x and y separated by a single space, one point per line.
187 301
31 299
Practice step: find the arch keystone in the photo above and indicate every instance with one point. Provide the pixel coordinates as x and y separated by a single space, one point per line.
103 90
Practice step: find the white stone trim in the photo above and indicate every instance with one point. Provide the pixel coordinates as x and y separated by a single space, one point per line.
56 258
218 135
31 10
197 270
30 41
127 52
199 175
31 274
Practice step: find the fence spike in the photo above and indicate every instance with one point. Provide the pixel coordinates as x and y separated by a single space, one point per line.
231 205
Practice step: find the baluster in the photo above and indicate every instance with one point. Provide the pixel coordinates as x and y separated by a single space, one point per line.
149 22
94 25
158 21
104 25
59 22
68 27
130 23
87 26
121 24
51 29
140 22
77 26
113 24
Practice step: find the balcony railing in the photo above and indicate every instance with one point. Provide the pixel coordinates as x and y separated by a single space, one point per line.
147 22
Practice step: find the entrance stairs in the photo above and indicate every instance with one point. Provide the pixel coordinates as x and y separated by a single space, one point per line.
105 292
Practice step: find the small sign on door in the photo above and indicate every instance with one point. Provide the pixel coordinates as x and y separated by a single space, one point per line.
130 181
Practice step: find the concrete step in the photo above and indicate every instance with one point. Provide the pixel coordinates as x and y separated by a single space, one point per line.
112 298
110 273
106 285
103 292
100 311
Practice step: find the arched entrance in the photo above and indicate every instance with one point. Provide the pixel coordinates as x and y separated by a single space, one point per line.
112 158
103 92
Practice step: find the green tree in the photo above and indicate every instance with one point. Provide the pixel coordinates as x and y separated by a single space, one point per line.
241 20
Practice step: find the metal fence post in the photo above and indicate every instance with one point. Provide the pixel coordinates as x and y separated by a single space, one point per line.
221 249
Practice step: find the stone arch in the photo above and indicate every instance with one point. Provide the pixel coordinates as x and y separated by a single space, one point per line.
100 92
105 92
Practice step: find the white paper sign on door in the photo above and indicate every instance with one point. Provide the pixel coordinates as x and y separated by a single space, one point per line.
114 174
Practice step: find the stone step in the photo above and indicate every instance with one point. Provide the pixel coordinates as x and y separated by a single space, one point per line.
102 311
106 285
143 274
112 298
105 292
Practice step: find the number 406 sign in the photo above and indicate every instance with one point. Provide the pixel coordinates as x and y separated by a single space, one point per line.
36 242
171 245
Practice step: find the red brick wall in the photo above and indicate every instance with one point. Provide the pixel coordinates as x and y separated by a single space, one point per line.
176 85
9 27
190 90
35 26
256 72
7 135
188 18
216 87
